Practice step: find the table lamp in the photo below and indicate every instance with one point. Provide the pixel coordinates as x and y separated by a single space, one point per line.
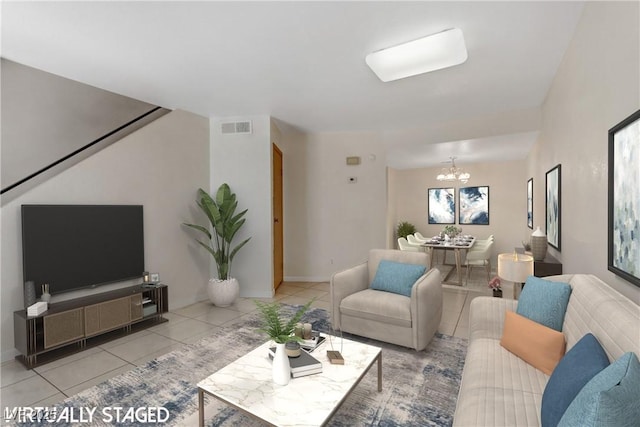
515 268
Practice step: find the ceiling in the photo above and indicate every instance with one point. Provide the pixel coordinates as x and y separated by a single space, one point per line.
303 64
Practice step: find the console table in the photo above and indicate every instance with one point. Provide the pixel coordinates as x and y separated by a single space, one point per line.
71 326
547 267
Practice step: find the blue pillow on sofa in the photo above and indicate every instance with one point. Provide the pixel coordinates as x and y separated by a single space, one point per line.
544 302
397 277
581 363
609 399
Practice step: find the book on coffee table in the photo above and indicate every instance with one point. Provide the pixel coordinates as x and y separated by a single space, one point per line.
305 364
313 342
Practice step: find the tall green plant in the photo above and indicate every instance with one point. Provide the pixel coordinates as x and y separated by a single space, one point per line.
405 228
225 223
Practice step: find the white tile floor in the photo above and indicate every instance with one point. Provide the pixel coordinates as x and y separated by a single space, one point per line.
53 382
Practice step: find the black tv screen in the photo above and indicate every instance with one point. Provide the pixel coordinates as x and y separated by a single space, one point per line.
79 246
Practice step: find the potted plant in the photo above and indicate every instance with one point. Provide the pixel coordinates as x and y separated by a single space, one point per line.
280 331
496 287
225 223
451 231
405 228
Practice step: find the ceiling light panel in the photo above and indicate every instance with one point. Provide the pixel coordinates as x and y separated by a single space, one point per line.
434 52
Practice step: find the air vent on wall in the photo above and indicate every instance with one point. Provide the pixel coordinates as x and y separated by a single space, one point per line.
236 127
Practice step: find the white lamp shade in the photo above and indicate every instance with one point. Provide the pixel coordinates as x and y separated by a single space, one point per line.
515 267
434 52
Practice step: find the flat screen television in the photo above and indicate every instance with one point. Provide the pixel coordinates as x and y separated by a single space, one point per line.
79 246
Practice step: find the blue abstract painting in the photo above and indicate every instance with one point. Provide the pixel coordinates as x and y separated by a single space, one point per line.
624 199
442 206
474 205
553 207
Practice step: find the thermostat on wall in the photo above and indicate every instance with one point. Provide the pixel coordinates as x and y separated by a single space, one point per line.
353 160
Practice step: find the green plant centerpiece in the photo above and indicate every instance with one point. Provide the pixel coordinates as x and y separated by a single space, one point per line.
281 331
405 228
451 231
224 224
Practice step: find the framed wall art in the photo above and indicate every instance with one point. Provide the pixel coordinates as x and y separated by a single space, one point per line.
624 199
442 206
553 206
530 203
474 205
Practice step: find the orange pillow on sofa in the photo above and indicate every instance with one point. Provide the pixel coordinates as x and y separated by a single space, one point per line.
539 346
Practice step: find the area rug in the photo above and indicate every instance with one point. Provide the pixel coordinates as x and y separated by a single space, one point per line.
419 388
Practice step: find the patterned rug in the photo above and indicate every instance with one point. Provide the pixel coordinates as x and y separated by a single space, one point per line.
419 388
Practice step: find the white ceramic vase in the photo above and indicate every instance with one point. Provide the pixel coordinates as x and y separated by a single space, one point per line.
281 369
223 293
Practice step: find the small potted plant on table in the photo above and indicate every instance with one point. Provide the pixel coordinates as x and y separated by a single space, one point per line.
496 287
281 331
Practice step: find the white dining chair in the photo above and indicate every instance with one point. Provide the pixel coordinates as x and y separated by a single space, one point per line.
420 237
404 245
413 240
479 258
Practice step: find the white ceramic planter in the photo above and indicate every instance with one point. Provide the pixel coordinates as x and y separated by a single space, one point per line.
281 368
223 293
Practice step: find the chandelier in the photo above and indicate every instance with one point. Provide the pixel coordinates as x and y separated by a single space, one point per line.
453 173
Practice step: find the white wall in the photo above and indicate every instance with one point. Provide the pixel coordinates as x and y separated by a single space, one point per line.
244 162
597 86
507 202
331 224
160 166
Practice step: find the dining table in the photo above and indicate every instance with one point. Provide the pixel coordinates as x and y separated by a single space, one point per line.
457 245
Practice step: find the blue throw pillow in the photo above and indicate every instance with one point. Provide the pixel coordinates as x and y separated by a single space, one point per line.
397 277
575 369
609 399
544 302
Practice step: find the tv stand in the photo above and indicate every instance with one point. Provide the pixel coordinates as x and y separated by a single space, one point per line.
71 326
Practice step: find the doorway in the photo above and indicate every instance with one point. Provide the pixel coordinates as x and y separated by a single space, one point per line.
278 226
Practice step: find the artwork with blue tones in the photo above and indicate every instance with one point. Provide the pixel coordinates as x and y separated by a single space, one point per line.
624 199
552 207
442 206
530 203
474 205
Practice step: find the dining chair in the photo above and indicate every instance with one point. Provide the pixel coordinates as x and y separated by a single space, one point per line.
413 240
479 258
404 245
480 244
420 237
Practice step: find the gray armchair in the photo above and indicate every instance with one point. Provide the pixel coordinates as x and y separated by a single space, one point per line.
385 316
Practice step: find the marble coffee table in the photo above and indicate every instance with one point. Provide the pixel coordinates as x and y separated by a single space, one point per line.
246 384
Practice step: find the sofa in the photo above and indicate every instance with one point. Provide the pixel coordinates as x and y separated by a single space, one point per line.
500 389
409 321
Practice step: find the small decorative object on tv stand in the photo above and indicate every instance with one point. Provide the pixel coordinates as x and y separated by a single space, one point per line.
46 296
29 293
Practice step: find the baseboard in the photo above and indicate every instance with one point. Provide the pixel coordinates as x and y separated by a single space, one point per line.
7 355
306 279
